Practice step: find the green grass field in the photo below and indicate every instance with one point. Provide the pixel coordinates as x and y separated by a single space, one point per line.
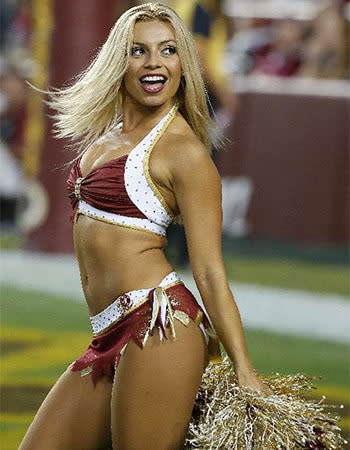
290 274
41 334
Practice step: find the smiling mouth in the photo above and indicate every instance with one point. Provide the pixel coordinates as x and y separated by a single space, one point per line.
153 84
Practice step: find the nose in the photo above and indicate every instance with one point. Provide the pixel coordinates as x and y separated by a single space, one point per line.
153 60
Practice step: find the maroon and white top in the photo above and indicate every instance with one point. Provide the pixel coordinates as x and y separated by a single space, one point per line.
121 190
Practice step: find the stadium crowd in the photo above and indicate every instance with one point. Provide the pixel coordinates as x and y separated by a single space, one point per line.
278 46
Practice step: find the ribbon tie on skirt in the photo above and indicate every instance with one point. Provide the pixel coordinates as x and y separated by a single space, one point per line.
161 313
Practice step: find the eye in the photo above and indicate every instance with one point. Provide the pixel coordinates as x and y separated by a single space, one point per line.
137 51
169 50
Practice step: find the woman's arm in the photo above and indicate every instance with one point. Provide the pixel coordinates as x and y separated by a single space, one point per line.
197 188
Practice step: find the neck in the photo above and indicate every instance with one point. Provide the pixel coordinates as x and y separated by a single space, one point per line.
136 114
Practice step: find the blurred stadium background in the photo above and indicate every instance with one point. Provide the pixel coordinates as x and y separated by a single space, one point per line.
277 73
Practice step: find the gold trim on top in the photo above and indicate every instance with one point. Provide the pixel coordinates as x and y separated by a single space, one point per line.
133 227
154 188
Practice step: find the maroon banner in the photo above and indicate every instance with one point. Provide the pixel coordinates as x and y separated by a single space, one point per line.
80 28
289 159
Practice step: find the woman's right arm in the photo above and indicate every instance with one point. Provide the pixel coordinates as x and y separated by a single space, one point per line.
197 187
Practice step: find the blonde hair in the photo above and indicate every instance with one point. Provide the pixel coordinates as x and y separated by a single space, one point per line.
92 105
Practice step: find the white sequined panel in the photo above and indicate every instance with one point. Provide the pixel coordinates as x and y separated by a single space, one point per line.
136 183
169 279
119 308
131 222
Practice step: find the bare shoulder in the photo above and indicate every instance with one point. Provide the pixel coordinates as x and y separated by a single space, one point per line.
182 149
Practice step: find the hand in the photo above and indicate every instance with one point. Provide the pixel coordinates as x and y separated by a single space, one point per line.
251 381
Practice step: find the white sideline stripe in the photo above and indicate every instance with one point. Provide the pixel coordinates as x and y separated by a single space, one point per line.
288 311
267 84
316 315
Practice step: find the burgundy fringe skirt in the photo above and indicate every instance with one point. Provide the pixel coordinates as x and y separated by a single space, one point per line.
134 315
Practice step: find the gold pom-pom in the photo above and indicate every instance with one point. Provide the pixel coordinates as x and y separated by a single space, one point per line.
226 416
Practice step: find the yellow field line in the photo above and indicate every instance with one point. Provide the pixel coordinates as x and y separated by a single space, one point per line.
15 334
52 349
332 393
47 350
16 418
344 423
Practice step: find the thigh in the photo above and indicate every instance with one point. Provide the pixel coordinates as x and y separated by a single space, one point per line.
75 415
154 390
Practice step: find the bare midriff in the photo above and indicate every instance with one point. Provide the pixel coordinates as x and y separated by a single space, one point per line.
114 260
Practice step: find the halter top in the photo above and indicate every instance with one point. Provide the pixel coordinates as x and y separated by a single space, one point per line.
121 190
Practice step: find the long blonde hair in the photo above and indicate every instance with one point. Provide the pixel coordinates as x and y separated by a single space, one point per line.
92 105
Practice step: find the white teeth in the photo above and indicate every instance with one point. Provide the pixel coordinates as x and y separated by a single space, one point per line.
153 78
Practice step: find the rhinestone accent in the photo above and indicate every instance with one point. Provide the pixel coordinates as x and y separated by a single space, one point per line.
77 187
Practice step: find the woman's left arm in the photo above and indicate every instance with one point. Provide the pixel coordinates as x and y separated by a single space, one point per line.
197 188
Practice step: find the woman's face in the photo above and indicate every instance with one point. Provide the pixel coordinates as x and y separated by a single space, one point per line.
154 70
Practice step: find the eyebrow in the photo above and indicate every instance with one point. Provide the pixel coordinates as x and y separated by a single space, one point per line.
160 43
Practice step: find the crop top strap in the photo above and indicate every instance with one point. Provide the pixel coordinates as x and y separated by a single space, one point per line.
138 182
167 120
